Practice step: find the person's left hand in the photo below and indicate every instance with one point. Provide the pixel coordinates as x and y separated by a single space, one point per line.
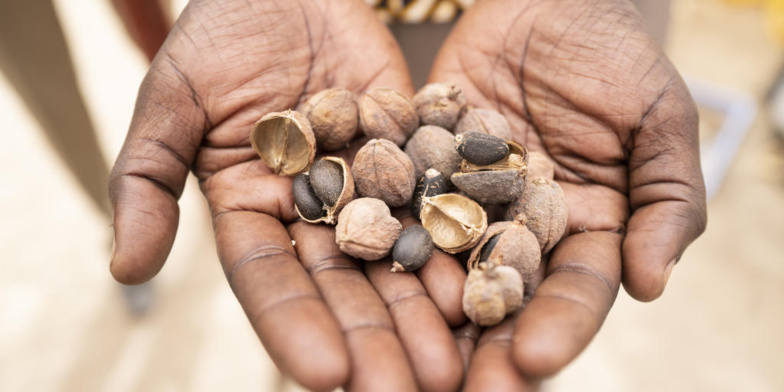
582 82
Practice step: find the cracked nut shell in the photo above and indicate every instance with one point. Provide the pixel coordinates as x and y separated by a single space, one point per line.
382 171
385 113
497 183
510 244
284 141
491 292
320 194
484 121
440 104
543 203
455 222
429 185
334 117
433 147
366 229
412 249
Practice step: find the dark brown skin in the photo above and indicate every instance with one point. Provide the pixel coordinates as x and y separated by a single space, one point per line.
582 82
576 79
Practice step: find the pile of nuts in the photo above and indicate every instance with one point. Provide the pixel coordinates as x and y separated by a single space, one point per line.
456 161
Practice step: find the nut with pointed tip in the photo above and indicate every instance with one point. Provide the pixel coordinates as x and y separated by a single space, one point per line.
431 184
366 229
285 142
484 121
433 147
320 194
543 203
334 116
496 183
382 171
412 249
455 222
510 244
440 104
385 113
491 292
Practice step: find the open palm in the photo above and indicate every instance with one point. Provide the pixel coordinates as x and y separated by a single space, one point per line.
582 82
324 320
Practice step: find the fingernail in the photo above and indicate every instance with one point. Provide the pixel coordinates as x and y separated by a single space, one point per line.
668 270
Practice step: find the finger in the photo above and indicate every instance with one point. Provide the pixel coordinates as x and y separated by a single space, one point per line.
378 361
150 172
491 367
466 337
667 193
299 332
570 305
425 335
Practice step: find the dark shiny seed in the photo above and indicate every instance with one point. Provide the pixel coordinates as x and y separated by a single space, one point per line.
308 204
480 148
487 249
326 178
430 184
412 249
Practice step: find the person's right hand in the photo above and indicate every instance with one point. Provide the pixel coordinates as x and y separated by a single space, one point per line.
224 65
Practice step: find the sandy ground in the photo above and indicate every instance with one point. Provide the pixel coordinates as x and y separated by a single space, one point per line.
64 325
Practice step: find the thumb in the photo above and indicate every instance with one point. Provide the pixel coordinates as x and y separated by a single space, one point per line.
150 172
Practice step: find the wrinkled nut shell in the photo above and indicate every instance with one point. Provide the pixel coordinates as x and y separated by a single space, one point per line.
334 117
484 121
366 229
387 114
490 187
492 292
382 171
481 149
285 142
455 222
510 244
433 147
440 104
412 249
431 184
326 179
543 204
539 165
308 205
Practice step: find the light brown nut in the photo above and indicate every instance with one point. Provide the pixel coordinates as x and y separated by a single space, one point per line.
320 194
491 292
543 204
497 183
484 121
433 147
334 116
387 114
382 171
540 165
284 141
366 229
510 244
455 222
440 104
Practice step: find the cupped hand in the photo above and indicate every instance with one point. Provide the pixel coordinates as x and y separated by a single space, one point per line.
582 82
322 320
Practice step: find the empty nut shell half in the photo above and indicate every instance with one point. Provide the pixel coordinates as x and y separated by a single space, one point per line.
491 292
387 114
334 116
480 148
412 249
455 222
328 186
382 171
431 184
366 229
285 142
510 244
440 104
496 183
484 121
433 147
544 208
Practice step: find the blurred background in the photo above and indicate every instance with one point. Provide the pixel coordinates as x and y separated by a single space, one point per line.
65 325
